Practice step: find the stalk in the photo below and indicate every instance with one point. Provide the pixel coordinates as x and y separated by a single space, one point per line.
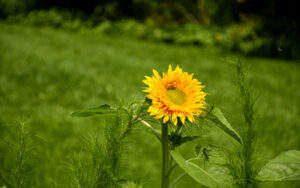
165 156
21 152
249 134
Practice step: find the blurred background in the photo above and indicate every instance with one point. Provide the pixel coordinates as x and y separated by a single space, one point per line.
59 56
251 27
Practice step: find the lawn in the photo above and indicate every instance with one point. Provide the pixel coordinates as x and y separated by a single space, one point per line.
47 74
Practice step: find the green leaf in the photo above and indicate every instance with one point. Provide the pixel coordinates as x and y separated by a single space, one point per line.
285 167
131 185
197 173
102 110
177 140
217 117
188 139
156 133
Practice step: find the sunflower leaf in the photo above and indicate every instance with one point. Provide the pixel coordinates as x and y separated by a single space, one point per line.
284 167
178 140
217 118
102 110
188 139
193 170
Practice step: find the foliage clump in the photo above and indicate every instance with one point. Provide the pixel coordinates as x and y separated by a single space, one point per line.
99 162
18 142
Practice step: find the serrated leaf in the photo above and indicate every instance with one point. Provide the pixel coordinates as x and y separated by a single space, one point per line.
197 173
104 109
285 167
217 117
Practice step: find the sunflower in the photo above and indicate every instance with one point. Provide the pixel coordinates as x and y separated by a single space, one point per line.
175 95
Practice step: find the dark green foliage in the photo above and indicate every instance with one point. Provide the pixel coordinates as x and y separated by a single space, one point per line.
54 18
273 33
240 38
10 7
246 35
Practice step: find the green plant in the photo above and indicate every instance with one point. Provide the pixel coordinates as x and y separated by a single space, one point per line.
17 170
240 170
99 162
103 77
59 19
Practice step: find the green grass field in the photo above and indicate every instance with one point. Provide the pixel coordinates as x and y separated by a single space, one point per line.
47 74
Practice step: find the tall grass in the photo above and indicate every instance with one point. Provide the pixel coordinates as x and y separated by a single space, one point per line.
242 162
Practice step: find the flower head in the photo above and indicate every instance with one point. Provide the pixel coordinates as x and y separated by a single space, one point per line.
175 95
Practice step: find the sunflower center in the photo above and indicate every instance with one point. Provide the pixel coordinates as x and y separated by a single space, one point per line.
176 96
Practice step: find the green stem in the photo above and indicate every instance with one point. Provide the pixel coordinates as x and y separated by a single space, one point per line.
165 156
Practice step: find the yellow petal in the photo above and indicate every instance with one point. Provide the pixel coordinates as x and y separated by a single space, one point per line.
174 118
170 69
157 90
147 90
178 69
190 117
159 115
156 74
182 118
175 122
166 118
